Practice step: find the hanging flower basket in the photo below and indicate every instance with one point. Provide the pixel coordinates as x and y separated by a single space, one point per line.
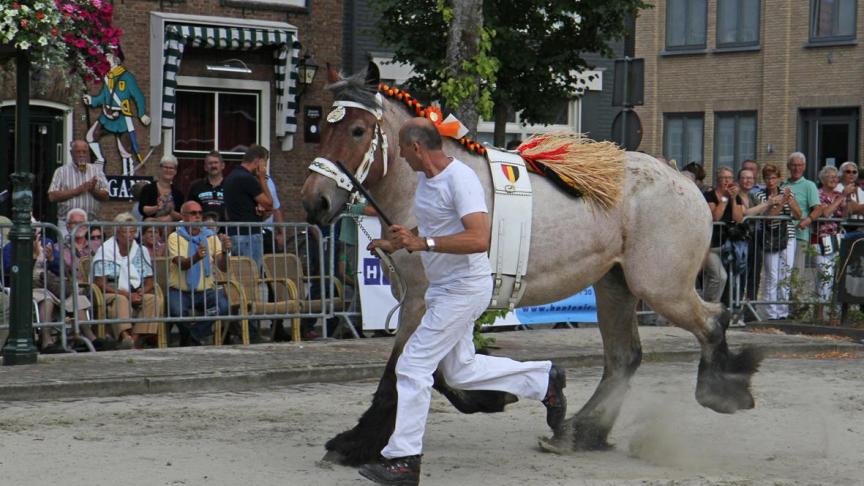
72 35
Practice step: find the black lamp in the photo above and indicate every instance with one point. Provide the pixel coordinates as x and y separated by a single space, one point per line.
306 70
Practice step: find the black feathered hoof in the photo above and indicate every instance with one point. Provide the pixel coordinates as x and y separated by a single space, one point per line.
724 383
334 457
587 437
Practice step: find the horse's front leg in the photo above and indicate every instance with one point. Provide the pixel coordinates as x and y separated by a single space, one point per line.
364 442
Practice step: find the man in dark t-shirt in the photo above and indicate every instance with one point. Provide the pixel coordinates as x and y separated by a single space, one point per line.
246 198
208 191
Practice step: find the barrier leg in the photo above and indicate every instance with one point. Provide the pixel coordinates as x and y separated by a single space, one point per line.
295 329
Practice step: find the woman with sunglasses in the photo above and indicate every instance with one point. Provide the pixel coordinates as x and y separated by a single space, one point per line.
94 239
160 199
849 176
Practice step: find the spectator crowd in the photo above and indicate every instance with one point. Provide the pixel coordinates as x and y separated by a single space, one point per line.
765 227
191 237
777 241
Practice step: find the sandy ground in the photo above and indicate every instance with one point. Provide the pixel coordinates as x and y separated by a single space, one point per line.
808 428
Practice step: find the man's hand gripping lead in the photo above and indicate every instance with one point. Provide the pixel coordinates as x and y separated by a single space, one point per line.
398 237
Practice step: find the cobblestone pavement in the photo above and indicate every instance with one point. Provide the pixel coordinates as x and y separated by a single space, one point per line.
251 367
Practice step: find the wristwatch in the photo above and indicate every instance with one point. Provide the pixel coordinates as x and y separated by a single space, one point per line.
430 244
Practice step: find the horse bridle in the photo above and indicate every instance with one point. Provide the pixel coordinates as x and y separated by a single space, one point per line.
327 168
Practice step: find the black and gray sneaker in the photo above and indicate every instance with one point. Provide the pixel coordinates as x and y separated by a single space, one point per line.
399 471
555 401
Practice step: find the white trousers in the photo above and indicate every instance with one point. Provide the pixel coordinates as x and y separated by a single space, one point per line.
445 337
777 268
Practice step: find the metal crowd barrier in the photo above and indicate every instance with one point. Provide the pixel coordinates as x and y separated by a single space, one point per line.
802 278
269 276
343 269
49 292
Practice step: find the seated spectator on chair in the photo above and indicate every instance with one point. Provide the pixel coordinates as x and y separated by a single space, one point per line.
193 251
74 248
124 272
46 286
152 240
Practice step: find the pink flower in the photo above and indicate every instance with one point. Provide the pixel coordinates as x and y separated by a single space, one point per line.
80 43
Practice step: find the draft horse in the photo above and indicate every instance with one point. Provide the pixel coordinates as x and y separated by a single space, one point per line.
649 245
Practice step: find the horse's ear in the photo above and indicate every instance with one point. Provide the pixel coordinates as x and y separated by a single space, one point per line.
373 76
332 74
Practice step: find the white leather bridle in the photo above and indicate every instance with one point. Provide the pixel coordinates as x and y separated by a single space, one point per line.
328 169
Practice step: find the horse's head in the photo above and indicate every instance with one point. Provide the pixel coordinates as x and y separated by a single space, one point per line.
353 135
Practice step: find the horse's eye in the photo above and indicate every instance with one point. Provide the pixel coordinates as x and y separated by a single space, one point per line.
357 132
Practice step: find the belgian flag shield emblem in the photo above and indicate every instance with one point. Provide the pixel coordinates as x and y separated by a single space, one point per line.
511 172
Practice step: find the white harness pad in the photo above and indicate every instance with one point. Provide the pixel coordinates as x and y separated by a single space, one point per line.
511 227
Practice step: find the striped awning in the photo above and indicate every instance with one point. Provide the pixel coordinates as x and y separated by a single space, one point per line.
285 59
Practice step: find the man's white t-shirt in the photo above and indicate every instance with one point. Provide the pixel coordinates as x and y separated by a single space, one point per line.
439 205
124 272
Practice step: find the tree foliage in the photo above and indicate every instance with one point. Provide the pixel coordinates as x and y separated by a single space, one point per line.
537 47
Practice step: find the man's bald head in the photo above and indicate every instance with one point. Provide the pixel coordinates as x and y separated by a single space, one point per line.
189 206
422 131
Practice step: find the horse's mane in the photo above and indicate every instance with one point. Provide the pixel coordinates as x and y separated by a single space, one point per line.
354 88
592 169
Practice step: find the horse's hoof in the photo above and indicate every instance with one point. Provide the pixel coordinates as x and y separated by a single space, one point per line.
334 457
553 445
730 402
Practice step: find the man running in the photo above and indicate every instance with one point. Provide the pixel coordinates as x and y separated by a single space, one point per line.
453 235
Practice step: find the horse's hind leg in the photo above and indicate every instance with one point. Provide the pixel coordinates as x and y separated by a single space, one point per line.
723 383
616 310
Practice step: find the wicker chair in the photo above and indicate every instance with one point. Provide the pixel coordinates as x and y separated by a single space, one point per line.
244 271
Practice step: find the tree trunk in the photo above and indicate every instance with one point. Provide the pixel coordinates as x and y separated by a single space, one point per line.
463 42
500 135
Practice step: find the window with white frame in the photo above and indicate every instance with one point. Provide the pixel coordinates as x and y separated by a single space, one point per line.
683 137
734 139
207 120
218 114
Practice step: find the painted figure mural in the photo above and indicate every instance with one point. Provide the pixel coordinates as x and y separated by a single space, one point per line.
119 92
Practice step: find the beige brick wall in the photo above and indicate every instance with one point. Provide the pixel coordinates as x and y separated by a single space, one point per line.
776 81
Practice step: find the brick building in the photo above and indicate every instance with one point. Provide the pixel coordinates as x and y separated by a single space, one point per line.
727 80
215 75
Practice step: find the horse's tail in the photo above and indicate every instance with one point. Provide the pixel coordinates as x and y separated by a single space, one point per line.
595 169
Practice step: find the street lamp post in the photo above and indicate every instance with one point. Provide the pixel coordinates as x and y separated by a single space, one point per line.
19 348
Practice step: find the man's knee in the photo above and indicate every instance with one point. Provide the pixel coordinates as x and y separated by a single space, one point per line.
411 368
177 304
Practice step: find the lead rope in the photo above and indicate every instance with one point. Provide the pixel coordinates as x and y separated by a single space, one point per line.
388 262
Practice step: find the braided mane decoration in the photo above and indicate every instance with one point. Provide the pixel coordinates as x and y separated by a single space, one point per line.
431 112
575 163
578 164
